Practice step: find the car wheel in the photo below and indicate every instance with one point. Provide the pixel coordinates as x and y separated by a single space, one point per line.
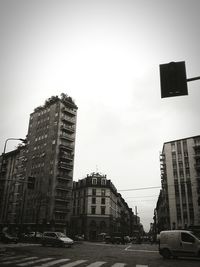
166 253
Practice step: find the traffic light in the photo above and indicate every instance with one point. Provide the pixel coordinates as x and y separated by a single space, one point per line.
173 79
31 182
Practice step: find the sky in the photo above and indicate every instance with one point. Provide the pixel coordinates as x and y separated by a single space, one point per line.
106 56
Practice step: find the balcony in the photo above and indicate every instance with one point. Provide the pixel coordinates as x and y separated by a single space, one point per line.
66 166
61 209
64 178
62 198
69 111
63 188
67 146
67 137
67 128
68 119
65 157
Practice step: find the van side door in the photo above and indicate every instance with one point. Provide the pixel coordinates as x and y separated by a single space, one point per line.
187 244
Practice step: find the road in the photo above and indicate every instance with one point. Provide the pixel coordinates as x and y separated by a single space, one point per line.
88 254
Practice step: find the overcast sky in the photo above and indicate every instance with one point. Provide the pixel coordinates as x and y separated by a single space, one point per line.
105 54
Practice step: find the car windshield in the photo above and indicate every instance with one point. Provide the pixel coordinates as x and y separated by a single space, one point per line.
59 234
197 235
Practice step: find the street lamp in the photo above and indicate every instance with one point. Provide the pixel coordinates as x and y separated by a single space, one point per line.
19 139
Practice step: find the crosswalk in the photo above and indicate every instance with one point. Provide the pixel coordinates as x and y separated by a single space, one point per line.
34 261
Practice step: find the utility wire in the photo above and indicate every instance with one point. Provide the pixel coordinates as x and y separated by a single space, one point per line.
153 187
142 188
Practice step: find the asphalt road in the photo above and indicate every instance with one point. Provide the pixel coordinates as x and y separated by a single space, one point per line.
88 254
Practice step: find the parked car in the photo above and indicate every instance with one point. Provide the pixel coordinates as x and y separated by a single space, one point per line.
8 238
56 239
32 236
176 243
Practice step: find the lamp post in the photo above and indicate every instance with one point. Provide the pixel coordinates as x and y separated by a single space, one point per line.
19 139
3 197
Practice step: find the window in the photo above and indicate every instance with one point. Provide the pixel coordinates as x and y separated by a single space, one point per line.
103 181
93 209
94 200
175 174
103 200
103 192
103 210
173 147
94 192
187 238
94 181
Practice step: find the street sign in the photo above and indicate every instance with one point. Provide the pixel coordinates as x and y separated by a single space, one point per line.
173 79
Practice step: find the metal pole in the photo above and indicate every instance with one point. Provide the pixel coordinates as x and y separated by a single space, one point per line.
193 79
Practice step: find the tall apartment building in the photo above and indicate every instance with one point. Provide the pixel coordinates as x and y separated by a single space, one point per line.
99 208
180 177
50 162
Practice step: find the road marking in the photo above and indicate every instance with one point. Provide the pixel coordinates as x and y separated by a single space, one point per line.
96 264
141 265
71 264
140 250
51 263
16 261
36 261
118 264
12 257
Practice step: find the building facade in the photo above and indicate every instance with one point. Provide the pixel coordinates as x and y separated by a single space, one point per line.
12 186
98 208
178 205
50 162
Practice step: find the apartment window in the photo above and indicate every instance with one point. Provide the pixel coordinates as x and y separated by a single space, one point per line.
103 181
181 174
185 145
94 192
175 174
173 147
93 209
78 210
103 210
180 165
179 156
187 171
179 147
103 192
94 181
103 200
93 200
174 165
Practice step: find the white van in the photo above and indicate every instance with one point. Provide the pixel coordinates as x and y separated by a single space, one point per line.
178 243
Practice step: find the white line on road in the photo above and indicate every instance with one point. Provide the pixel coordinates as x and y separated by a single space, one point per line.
96 264
16 261
36 261
52 263
140 250
12 257
141 265
118 264
71 264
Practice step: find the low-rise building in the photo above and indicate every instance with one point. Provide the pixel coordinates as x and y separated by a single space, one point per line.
98 208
